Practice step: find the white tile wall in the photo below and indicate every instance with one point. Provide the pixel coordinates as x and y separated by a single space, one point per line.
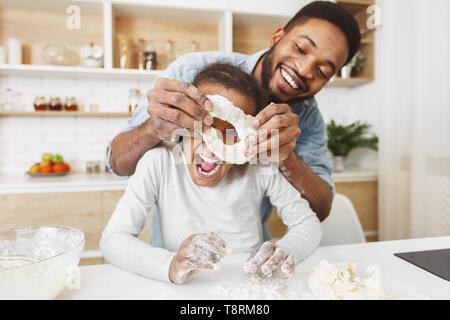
346 105
79 139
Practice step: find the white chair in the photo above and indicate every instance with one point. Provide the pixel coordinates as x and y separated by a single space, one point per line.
342 225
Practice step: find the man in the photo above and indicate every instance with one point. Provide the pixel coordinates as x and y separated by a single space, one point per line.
304 55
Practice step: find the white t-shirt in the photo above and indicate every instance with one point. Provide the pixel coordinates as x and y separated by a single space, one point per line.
231 209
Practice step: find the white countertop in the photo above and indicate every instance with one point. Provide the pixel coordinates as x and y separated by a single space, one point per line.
73 182
79 182
400 279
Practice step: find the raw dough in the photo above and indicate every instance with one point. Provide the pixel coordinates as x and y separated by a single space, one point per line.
225 110
338 281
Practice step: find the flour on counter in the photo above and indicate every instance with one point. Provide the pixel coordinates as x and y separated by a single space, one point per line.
263 289
338 281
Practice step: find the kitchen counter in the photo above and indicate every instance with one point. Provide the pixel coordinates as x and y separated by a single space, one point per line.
73 182
400 279
80 182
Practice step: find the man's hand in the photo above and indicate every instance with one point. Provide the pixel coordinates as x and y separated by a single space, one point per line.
279 144
198 252
270 261
174 105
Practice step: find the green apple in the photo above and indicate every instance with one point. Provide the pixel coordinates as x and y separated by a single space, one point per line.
47 157
57 158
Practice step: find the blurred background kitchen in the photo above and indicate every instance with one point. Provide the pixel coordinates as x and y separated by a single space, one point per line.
71 73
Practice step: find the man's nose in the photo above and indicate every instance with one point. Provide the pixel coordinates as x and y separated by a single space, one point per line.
305 69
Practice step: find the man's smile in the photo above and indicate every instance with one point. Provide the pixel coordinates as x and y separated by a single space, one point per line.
290 82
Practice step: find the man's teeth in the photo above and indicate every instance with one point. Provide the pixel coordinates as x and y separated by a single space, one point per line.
289 79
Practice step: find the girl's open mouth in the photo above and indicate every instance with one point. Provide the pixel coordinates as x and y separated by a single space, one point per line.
207 167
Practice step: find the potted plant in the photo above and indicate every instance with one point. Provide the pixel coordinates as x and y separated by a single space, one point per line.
344 138
356 64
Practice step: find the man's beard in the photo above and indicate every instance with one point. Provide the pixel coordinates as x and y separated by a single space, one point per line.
267 73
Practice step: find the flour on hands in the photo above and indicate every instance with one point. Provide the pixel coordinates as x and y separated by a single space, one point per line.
197 252
270 260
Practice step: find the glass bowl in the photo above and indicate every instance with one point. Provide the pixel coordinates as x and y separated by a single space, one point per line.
38 262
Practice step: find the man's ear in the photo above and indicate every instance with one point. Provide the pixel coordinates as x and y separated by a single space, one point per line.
280 33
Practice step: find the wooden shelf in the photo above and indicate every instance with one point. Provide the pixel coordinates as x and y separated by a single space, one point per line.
63 114
349 83
77 72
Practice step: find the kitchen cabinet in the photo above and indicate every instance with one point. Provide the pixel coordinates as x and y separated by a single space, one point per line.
364 196
225 25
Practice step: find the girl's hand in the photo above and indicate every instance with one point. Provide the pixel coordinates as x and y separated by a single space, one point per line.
270 260
198 252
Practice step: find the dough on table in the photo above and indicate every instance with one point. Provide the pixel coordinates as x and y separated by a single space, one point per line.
338 281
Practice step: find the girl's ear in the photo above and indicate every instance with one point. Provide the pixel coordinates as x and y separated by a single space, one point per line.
280 33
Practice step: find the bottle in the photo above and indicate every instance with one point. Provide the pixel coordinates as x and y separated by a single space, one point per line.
150 62
141 54
55 104
134 97
124 51
71 104
194 46
2 55
14 51
40 104
170 55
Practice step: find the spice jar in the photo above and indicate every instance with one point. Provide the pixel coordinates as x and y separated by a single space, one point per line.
133 99
55 104
71 104
40 103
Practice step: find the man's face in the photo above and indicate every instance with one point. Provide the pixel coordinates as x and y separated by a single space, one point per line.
301 61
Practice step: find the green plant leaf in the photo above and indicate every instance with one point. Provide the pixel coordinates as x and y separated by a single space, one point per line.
344 138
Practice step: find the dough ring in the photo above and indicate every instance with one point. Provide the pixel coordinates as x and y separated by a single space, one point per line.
225 110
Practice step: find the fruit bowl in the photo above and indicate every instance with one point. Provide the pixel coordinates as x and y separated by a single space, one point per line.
51 174
51 165
38 262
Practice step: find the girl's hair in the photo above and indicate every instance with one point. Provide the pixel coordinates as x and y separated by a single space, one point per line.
232 77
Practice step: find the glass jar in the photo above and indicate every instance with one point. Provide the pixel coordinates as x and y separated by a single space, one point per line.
40 103
55 104
150 62
124 51
141 54
170 53
133 99
71 104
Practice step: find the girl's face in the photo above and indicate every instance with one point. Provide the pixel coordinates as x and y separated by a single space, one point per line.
204 167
